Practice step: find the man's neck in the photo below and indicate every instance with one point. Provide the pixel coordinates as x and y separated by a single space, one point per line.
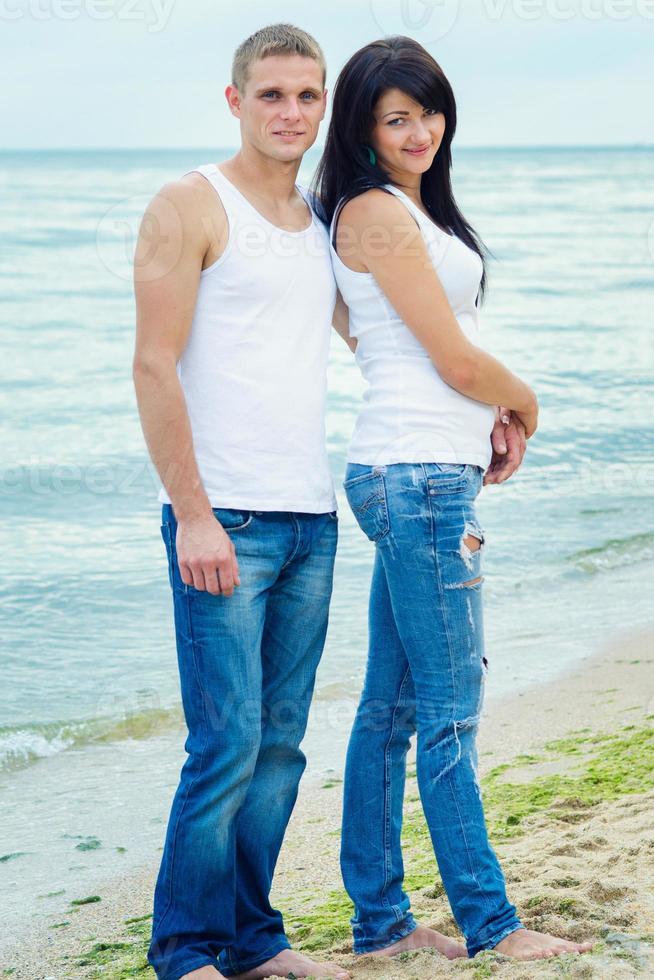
269 179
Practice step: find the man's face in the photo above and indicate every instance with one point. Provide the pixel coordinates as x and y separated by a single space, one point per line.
281 107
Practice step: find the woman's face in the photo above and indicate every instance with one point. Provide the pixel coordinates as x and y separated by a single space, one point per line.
406 136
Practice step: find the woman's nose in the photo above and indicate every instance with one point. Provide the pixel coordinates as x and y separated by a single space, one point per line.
420 133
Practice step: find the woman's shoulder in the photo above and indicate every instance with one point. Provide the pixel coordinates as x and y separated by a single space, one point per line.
376 203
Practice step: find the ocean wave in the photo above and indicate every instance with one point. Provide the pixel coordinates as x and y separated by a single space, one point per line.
22 745
614 553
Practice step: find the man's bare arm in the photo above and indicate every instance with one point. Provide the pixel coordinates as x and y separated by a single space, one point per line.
173 240
341 322
167 266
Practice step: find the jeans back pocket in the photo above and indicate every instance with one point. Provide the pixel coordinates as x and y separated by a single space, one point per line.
366 495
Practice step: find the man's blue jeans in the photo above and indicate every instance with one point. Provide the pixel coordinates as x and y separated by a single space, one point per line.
247 667
425 672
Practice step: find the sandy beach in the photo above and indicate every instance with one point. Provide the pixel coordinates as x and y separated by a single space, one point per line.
568 777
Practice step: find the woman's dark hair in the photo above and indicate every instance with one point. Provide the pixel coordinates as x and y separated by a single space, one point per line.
345 169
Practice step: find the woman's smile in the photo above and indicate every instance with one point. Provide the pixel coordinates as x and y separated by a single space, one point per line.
419 150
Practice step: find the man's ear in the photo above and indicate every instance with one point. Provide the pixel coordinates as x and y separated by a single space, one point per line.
324 104
233 97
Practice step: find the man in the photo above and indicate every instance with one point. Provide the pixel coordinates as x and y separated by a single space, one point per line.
235 297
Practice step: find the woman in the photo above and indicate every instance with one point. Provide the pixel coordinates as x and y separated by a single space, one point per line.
411 270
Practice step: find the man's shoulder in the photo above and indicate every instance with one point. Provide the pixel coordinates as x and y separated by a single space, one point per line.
187 211
313 201
193 197
307 194
195 185
187 192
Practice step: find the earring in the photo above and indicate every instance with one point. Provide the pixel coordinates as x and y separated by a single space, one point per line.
372 156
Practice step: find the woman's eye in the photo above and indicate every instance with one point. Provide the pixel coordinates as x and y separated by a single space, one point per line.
431 112
393 121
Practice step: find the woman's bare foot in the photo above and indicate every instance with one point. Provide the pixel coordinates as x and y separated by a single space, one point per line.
524 944
288 961
204 973
424 938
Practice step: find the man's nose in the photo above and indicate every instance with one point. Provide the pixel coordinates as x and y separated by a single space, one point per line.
291 109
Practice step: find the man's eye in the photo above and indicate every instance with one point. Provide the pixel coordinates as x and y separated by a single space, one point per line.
270 95
308 95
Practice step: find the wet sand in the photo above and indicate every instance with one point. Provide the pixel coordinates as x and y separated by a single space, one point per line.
568 776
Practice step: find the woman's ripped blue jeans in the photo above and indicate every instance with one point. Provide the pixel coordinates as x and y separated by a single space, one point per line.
425 673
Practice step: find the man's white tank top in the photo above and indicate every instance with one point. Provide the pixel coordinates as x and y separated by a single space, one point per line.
409 414
254 370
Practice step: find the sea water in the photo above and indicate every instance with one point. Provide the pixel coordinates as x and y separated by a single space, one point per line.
91 730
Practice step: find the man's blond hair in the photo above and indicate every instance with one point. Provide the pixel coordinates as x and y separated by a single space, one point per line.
272 40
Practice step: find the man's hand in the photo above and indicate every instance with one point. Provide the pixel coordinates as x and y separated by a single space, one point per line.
509 444
206 556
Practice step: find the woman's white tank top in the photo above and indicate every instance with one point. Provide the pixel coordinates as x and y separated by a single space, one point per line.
254 370
409 414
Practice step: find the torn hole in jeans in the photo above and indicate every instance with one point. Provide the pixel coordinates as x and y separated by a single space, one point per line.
471 541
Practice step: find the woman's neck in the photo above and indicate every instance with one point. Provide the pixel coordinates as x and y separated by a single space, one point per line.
410 184
412 190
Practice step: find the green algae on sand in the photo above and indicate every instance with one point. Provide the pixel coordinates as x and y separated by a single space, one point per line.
613 766
604 768
86 901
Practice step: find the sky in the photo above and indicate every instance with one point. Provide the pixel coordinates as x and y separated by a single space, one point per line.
152 73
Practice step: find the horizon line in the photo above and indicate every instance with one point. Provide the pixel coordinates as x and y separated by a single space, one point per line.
193 148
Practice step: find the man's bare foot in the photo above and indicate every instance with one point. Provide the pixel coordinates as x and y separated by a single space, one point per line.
204 973
524 944
288 961
424 938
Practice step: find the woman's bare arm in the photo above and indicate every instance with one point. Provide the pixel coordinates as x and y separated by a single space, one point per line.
376 234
